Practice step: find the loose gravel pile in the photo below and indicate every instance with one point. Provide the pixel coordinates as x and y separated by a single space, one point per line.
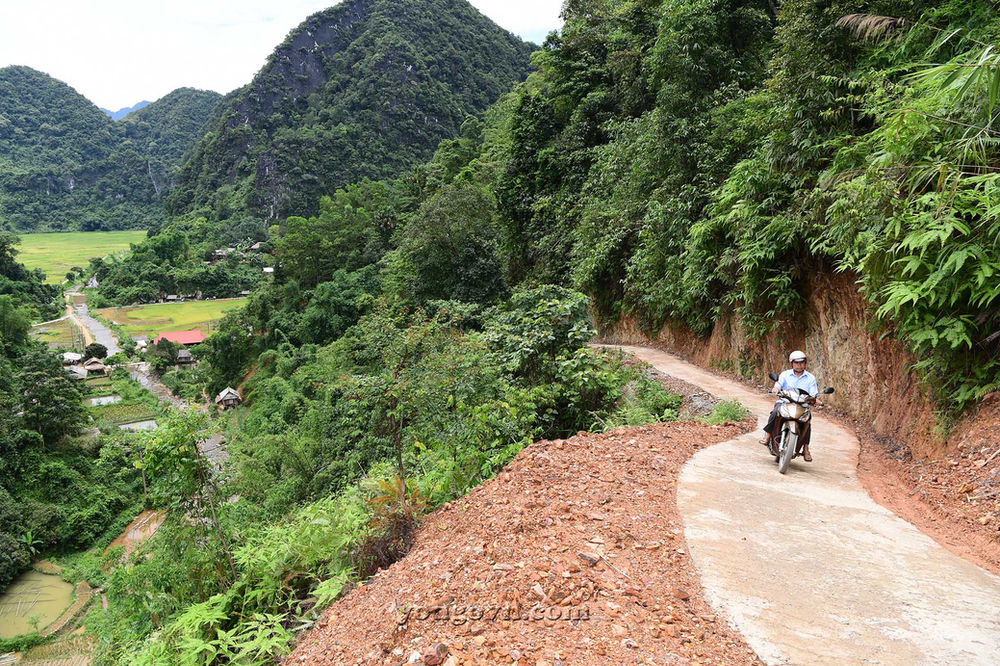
574 554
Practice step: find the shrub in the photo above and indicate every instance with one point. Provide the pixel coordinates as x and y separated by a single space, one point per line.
728 410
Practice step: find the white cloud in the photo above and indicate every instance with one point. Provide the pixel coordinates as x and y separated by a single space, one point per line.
118 52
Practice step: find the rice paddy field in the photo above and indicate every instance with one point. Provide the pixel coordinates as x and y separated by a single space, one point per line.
56 253
119 413
151 320
59 334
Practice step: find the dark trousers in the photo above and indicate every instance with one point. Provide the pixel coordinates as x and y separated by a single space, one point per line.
775 420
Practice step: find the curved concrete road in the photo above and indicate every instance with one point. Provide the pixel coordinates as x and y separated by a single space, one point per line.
809 568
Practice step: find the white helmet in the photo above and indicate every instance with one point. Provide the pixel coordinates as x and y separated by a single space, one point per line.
796 355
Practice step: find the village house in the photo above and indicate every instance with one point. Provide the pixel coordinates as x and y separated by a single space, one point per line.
71 358
184 357
77 372
228 397
95 365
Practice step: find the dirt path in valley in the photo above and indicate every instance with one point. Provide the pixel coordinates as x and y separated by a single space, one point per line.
809 568
88 338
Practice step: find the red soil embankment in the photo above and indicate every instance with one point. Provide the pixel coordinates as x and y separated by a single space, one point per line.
947 487
871 374
574 554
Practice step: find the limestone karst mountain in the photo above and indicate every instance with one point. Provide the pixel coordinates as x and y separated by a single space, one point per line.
364 89
64 164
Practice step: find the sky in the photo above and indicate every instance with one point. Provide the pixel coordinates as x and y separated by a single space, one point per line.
120 52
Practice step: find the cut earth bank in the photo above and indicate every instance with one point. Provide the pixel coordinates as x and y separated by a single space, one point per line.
949 489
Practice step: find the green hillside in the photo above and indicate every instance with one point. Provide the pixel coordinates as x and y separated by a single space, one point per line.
363 89
64 165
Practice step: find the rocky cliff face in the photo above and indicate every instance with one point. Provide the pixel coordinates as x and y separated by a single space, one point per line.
364 89
870 373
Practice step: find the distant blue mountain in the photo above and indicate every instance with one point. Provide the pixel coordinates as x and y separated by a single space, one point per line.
121 113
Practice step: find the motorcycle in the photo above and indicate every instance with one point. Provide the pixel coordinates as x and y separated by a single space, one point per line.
796 419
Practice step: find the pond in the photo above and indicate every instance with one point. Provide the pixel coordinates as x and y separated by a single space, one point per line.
139 425
104 400
33 595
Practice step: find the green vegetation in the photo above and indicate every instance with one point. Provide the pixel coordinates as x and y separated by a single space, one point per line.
57 253
727 410
58 491
360 90
28 297
137 404
671 161
61 334
151 320
65 165
339 449
709 157
180 260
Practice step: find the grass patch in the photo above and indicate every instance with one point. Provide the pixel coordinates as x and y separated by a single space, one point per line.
151 320
727 410
56 253
21 643
643 401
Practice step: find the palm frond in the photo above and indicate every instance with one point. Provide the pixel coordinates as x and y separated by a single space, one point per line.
871 27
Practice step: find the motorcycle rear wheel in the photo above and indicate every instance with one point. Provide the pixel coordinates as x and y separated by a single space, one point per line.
789 440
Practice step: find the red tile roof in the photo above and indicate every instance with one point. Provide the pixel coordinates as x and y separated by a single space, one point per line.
182 337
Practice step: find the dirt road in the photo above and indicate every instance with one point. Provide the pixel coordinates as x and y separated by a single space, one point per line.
812 571
88 338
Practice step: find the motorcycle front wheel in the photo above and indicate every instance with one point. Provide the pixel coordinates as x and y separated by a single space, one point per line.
787 451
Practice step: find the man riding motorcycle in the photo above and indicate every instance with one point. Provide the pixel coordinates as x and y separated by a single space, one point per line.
796 377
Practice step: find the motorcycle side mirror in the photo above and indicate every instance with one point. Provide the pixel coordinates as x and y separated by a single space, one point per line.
828 390
773 376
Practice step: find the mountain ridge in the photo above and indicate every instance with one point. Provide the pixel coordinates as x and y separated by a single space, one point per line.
364 89
66 165
125 110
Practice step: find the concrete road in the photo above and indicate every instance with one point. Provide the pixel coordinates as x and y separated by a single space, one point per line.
808 567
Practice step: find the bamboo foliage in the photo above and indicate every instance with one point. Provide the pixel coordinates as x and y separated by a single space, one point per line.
933 273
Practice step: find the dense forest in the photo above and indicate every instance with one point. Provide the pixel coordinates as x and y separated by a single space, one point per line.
364 89
675 161
65 165
667 161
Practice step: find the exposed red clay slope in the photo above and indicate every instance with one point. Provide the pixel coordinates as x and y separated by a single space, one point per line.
871 373
585 530
955 498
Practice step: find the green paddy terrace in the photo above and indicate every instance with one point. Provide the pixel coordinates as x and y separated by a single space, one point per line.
56 253
58 334
151 320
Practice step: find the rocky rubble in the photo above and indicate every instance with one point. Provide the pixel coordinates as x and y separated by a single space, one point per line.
574 554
